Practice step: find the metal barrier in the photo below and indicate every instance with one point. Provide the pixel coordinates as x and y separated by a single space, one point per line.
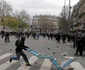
59 67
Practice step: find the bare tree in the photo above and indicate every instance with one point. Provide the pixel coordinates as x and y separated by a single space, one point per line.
5 8
64 19
23 16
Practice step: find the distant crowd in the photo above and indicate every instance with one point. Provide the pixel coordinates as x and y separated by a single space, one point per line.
78 39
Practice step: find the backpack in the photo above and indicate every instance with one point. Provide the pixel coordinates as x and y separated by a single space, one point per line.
17 42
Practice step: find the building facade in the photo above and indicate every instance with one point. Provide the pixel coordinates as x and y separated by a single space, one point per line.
78 16
44 23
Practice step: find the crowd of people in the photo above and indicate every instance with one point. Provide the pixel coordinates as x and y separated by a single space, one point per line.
78 39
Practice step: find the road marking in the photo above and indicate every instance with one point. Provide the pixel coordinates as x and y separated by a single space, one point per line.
46 65
77 66
32 60
0 51
7 64
5 55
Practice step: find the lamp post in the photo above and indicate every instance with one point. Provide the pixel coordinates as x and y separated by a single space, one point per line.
69 15
69 8
65 9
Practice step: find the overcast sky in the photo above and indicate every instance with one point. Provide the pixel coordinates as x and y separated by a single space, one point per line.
36 7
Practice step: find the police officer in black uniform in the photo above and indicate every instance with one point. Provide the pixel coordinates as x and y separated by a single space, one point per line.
79 43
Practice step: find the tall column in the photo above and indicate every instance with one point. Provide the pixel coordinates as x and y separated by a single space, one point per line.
69 15
65 8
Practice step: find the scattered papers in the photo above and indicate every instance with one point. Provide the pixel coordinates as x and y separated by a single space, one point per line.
67 57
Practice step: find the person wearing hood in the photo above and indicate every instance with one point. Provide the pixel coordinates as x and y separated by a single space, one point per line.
19 46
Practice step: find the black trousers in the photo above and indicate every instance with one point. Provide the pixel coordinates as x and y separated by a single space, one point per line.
18 54
79 50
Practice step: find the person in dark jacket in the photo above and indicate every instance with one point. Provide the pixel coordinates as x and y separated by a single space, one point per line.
19 46
64 38
83 44
79 43
75 39
58 37
2 33
7 37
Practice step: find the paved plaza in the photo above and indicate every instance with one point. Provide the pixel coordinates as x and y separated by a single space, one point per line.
43 46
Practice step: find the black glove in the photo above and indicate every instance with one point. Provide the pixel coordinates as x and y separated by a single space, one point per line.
26 47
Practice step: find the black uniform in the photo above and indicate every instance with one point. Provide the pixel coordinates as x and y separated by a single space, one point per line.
58 38
7 37
80 44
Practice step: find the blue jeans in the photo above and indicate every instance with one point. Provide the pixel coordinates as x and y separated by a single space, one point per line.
18 54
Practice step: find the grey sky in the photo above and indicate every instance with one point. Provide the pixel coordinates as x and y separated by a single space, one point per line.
34 7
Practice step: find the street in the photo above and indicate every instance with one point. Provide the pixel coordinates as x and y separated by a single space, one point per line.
43 46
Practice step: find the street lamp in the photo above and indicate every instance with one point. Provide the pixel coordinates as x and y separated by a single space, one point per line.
65 9
69 12
69 9
69 15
